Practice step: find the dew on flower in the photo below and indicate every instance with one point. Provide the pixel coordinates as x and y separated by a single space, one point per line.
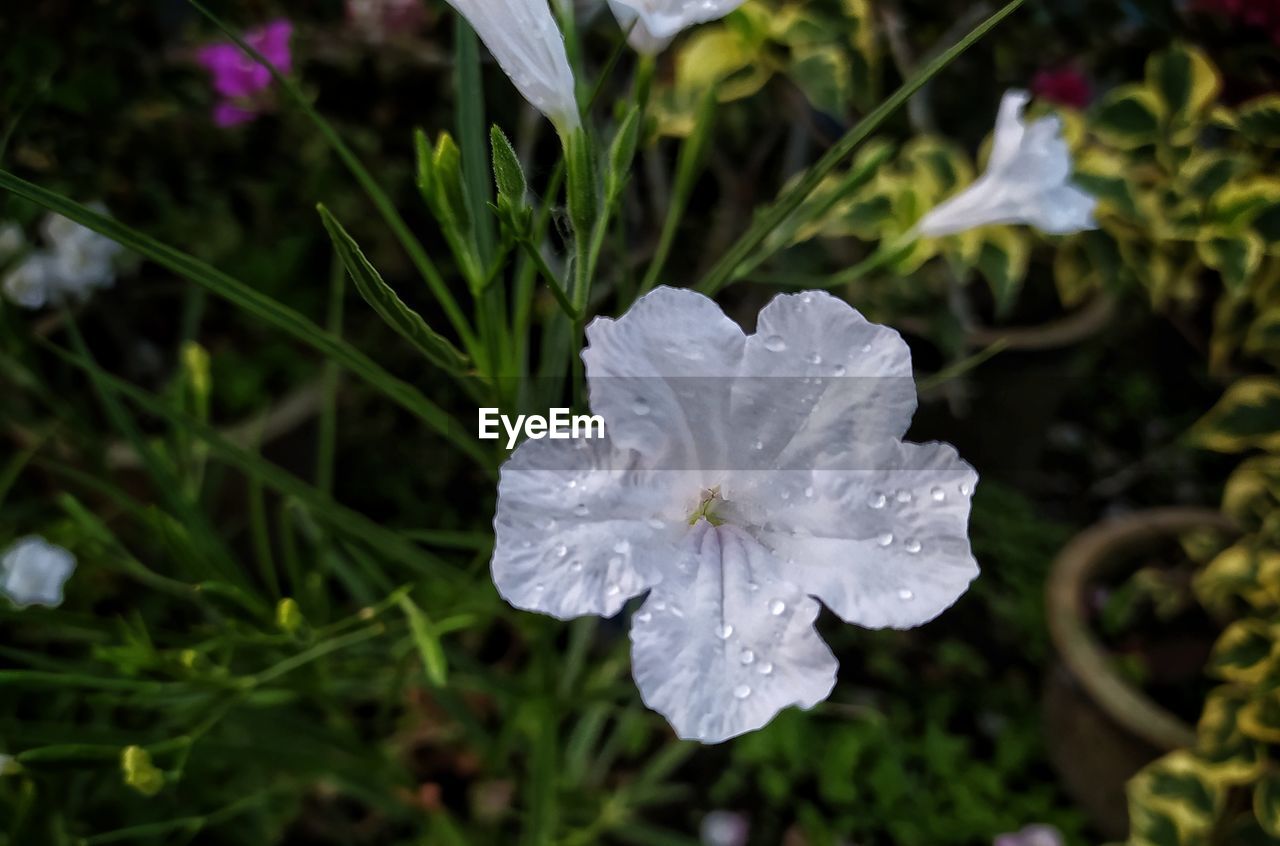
776 607
724 632
742 691
885 539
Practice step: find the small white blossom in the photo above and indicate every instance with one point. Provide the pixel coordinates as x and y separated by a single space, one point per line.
656 22
724 828
74 262
741 477
1033 835
1027 181
33 571
522 35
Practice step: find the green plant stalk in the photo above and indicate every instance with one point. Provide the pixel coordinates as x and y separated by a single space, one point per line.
265 308
688 168
330 380
379 198
724 271
351 522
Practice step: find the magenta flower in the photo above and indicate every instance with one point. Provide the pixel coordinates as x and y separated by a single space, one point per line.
239 80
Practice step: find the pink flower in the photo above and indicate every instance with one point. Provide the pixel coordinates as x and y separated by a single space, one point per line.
238 78
1066 85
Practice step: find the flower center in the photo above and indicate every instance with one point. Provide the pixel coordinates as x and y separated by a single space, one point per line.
706 508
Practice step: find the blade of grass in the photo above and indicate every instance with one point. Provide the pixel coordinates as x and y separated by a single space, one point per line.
772 217
330 380
258 304
382 299
356 525
383 203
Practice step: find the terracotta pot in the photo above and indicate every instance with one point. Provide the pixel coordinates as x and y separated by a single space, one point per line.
1101 729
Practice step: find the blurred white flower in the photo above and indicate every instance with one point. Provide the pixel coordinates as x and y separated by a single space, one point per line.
12 241
724 828
656 22
75 261
33 571
522 35
740 475
1027 181
1032 835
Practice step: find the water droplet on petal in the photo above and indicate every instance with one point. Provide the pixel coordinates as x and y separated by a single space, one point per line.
752 586
903 496
622 547
905 595
774 343
724 632
877 500
561 551
612 590
838 370
866 348
655 523
747 656
759 445
776 607
885 539
580 510
808 492
912 546
640 407
965 490
815 359
659 605
741 691
785 494
576 566
675 609
765 669
938 494
644 617
573 483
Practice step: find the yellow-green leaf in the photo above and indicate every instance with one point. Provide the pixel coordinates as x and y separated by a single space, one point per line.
1260 718
1003 263
1236 256
822 72
1128 117
1186 80
1243 651
1247 416
1266 803
1259 120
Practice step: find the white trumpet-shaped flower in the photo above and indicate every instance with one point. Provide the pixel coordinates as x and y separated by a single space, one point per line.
33 571
75 261
1027 180
653 23
522 35
741 478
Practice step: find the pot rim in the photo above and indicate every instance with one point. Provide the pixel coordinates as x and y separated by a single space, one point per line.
1085 557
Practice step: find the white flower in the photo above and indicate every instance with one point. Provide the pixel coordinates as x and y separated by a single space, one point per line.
1027 181
522 35
33 571
75 262
740 476
12 240
724 828
659 21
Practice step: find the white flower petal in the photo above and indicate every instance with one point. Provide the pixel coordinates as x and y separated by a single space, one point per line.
817 379
884 544
1007 137
1026 181
638 35
723 644
665 18
660 377
583 527
523 37
30 284
33 571
1064 210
